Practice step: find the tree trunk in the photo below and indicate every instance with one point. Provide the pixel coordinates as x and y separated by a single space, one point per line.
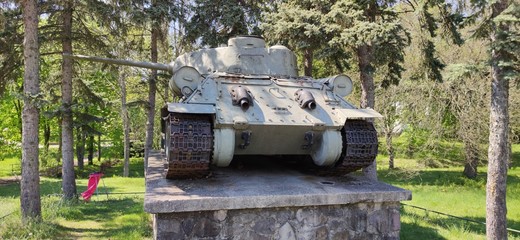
390 148
91 150
46 135
60 143
80 147
307 62
498 152
19 108
69 179
46 140
99 148
472 158
126 122
152 89
30 183
364 54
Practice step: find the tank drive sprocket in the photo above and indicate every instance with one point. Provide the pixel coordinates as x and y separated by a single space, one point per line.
189 145
359 148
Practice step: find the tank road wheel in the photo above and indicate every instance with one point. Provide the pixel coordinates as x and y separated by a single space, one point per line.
328 150
224 147
190 143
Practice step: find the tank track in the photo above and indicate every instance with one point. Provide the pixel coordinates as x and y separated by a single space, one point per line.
359 148
189 146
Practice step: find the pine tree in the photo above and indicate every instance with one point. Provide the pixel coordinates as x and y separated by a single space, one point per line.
372 32
214 22
300 25
30 183
502 27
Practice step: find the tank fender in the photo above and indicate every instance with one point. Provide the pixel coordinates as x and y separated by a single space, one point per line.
191 108
359 113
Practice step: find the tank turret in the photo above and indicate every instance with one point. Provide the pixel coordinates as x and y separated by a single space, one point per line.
247 99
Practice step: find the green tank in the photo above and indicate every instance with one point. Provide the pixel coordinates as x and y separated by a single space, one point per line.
247 99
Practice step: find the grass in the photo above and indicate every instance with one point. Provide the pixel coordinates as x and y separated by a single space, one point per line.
446 190
116 216
442 189
9 166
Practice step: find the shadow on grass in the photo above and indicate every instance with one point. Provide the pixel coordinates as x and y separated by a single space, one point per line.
116 217
414 229
515 156
101 210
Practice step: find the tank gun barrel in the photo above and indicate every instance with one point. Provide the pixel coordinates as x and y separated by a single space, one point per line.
149 65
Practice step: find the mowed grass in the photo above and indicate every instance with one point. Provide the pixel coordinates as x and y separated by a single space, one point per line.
116 215
446 190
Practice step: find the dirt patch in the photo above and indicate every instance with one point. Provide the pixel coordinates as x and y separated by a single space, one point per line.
9 180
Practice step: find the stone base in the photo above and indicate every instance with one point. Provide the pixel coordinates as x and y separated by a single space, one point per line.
353 221
271 201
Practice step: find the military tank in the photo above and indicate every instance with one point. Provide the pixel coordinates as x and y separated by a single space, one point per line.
244 98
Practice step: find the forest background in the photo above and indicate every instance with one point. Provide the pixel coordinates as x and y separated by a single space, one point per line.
425 65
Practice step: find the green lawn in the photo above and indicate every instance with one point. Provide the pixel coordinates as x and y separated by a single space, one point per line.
9 166
447 190
121 216
116 216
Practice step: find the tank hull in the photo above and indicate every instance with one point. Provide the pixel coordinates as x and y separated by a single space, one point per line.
263 115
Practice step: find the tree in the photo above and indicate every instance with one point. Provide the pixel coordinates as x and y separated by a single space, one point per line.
228 19
390 107
152 88
126 122
159 12
371 31
300 25
30 184
466 93
67 149
505 49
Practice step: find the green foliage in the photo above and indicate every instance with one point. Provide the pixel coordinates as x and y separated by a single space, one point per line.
429 19
297 24
508 41
10 127
214 22
507 27
11 37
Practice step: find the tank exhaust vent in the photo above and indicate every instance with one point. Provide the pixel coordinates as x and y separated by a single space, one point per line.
241 97
305 99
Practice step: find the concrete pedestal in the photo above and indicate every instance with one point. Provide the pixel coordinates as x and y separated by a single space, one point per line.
270 200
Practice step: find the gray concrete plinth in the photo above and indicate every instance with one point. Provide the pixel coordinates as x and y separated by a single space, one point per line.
269 200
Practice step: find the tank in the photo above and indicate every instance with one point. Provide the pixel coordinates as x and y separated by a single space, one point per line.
245 98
